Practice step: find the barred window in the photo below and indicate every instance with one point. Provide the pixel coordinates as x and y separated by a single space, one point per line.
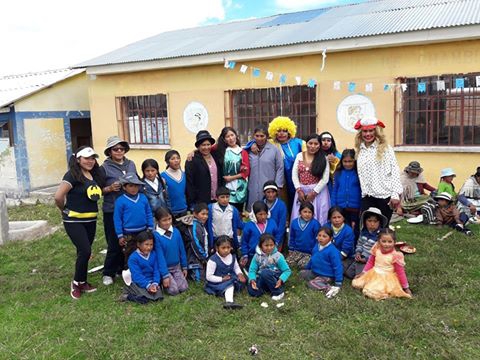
251 107
6 135
442 115
144 119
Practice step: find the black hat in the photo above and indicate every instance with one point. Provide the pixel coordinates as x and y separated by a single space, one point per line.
414 167
130 178
478 172
203 135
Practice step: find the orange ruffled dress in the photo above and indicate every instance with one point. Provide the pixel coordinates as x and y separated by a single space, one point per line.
381 281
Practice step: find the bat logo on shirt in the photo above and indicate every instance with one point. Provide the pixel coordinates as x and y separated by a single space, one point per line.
94 192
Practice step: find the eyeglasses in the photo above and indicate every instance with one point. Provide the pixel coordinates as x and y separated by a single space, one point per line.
118 149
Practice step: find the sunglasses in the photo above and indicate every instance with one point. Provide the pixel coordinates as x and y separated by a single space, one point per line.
118 149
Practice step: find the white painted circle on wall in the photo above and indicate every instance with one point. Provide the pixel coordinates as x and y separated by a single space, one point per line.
195 117
353 108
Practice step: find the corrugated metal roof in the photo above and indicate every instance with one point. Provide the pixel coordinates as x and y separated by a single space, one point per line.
15 87
349 21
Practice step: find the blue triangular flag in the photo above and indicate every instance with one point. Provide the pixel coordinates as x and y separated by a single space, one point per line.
256 72
351 86
311 83
283 79
231 64
460 83
422 87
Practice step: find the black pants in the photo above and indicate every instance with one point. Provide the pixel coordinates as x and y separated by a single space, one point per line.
114 259
82 235
381 204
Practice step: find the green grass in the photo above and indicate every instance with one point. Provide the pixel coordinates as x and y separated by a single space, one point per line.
39 320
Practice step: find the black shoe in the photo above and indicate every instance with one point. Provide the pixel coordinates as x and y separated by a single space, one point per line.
232 306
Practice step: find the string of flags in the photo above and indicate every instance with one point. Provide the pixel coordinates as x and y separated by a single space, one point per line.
337 85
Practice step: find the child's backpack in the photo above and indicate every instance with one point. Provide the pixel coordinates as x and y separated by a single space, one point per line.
428 211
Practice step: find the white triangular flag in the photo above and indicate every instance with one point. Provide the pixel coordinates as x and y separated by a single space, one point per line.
336 85
478 80
404 87
227 64
298 79
269 76
369 87
243 69
440 85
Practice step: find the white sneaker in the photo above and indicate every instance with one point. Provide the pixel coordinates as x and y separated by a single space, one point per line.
278 297
107 280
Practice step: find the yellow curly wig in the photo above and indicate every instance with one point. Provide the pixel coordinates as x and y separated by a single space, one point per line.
282 122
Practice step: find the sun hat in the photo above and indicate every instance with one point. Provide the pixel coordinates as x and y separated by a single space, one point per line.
447 172
414 167
368 123
130 178
86 152
203 135
115 140
444 196
376 211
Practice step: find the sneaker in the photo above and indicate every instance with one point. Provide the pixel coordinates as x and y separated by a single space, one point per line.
468 232
278 297
75 291
87 288
107 280
232 306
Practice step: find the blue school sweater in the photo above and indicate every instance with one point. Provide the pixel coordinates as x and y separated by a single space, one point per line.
172 248
176 192
346 191
303 239
144 270
236 223
278 212
344 240
132 214
251 236
326 262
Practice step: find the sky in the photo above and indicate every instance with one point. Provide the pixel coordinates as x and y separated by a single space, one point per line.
53 34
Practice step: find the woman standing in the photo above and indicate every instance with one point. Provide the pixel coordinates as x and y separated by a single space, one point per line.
114 166
77 197
329 147
377 168
310 176
266 164
203 172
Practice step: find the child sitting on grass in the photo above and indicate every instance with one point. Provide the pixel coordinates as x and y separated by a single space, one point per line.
268 270
384 275
223 274
343 236
325 265
448 214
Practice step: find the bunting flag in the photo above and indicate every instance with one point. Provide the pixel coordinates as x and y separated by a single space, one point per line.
477 78
440 85
351 86
460 83
298 79
386 87
243 69
404 87
269 76
337 85
311 83
422 87
256 72
369 87
283 79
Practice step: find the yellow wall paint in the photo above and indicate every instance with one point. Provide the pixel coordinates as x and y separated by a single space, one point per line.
70 94
207 84
45 139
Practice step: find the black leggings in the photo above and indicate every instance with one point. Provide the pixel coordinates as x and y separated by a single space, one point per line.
82 235
114 259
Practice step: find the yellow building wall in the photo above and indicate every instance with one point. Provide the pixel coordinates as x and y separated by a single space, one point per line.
45 139
69 94
207 84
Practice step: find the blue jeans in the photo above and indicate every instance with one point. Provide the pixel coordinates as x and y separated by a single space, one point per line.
266 281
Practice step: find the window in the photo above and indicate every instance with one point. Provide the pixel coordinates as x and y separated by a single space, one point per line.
250 107
441 116
144 119
6 136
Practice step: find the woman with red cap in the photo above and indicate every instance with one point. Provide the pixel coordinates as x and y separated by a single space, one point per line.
377 167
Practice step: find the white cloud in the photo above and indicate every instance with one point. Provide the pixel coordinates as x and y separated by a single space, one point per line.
49 34
297 5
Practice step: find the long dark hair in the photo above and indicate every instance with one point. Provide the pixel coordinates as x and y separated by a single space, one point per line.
347 153
149 163
319 162
221 143
76 170
333 147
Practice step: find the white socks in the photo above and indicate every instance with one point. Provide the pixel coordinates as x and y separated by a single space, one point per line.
229 294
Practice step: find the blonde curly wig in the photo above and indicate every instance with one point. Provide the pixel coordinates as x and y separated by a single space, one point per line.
282 122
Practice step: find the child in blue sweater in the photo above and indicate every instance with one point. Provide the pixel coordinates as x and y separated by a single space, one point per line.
343 236
268 270
325 266
252 231
223 275
176 184
169 243
145 272
303 233
132 213
223 219
277 209
154 186
372 221
346 191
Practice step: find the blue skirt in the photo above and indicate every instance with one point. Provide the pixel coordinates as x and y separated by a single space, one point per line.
218 289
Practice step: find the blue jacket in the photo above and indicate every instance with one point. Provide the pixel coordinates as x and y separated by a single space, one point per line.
275 262
344 240
237 223
144 270
278 212
132 214
346 191
172 249
327 262
251 236
303 240
156 199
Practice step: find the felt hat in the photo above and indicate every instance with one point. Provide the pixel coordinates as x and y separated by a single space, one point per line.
444 196
86 152
115 140
368 123
447 172
203 135
130 178
414 167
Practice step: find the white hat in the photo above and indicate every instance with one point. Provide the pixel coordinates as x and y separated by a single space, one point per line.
86 152
444 196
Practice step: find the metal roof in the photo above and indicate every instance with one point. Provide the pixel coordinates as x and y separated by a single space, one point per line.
379 17
16 87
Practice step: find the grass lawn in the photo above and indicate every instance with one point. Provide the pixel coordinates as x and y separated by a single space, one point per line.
39 320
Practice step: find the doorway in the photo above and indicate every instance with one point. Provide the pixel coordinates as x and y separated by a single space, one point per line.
80 132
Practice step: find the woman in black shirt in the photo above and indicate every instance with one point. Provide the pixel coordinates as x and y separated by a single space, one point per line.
77 197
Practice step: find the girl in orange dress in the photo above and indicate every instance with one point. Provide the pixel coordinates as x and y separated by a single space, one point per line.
384 275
